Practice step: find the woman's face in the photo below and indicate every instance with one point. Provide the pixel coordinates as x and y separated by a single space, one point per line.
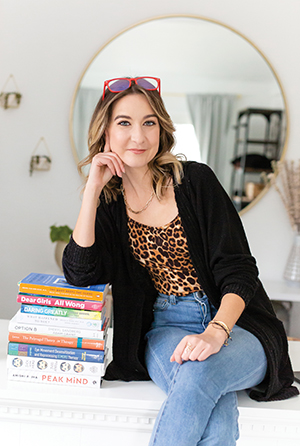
133 132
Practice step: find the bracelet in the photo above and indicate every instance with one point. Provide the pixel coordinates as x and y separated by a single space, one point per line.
224 327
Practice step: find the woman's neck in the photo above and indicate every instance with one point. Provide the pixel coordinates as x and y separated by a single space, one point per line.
137 182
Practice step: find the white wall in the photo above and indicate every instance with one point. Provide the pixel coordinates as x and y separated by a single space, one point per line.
46 45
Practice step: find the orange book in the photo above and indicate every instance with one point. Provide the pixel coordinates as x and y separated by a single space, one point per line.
90 344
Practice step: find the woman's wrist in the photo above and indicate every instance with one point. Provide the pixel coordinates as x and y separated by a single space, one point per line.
217 332
92 192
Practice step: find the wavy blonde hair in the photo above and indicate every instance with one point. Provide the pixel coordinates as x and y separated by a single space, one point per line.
163 166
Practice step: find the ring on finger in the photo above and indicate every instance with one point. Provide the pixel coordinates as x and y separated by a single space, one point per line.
188 347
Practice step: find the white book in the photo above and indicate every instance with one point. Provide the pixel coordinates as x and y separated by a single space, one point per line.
17 326
26 364
54 378
56 321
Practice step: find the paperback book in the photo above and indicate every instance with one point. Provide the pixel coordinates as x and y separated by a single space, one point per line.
60 302
55 378
57 321
54 285
17 326
27 364
60 312
47 351
79 343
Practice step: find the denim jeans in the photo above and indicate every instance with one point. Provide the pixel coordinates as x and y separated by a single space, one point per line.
201 404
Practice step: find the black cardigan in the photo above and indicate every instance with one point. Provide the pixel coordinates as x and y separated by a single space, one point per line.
222 260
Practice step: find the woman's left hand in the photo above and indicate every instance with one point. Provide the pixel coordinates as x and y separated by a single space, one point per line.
198 347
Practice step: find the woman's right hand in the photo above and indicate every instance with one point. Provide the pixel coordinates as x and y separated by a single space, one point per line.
104 166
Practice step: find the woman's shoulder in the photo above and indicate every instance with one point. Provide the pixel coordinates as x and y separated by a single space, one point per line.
194 170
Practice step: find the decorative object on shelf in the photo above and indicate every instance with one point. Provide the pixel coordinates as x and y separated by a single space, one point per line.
249 164
40 162
10 99
286 180
61 236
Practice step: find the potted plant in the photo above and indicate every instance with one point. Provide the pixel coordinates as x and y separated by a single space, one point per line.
61 236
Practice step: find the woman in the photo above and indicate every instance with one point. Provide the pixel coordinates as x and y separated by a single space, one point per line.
189 310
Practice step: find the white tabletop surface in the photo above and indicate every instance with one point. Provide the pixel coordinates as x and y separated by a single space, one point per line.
281 290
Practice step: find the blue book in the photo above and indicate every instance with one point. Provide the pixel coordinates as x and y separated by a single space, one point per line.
45 351
54 285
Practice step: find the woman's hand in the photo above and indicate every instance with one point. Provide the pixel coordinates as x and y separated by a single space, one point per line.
104 166
198 347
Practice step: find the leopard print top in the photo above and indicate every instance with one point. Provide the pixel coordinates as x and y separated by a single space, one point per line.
163 251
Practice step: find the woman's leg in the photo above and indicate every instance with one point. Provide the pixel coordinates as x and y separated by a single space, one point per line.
223 422
191 412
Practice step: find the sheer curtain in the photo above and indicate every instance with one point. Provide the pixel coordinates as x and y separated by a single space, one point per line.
85 104
211 116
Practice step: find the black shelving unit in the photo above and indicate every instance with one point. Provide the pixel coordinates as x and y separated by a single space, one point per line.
245 144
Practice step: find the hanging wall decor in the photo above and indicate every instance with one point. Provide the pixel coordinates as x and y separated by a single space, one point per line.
40 161
10 98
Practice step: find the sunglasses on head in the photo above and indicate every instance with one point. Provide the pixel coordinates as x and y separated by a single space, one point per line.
122 83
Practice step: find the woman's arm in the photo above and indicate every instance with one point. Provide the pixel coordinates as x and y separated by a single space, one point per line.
88 258
104 166
219 248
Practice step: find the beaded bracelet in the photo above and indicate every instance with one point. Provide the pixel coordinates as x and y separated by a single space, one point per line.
224 327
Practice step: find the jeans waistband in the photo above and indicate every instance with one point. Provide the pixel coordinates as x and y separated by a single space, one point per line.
196 295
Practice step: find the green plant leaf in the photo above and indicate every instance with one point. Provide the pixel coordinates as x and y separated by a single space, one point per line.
60 233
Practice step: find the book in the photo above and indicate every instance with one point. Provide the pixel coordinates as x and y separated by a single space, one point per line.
56 321
60 312
17 326
79 343
54 285
47 351
25 363
60 302
54 378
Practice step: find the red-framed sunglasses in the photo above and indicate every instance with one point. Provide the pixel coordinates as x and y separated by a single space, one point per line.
122 83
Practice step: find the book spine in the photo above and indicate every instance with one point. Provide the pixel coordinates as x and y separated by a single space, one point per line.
47 290
63 303
55 379
60 312
57 321
52 352
90 344
46 365
55 331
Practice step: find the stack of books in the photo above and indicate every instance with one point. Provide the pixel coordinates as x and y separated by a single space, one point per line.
59 335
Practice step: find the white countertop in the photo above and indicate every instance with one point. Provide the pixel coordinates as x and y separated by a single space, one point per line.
281 290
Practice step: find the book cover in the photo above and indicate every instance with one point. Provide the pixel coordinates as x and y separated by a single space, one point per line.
25 363
17 326
60 312
34 338
54 285
45 351
54 378
56 321
60 302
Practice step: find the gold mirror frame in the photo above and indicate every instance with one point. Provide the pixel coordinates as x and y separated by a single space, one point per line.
216 22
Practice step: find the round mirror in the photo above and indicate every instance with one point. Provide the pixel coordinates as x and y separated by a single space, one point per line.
224 97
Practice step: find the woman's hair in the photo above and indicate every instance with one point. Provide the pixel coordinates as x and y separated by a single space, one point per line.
162 167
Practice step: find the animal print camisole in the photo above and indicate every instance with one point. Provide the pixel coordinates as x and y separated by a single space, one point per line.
163 251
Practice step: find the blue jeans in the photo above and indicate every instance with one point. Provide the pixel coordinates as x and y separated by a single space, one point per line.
201 404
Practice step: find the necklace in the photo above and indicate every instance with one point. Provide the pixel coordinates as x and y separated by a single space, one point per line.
141 210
